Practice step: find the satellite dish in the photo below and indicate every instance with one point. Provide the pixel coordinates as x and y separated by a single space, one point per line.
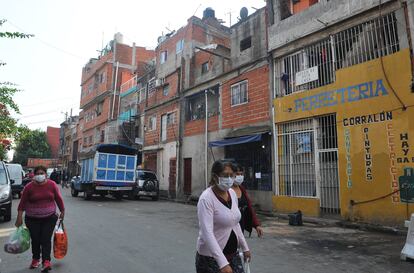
244 13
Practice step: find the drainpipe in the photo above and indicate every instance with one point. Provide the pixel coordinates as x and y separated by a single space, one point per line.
206 140
116 83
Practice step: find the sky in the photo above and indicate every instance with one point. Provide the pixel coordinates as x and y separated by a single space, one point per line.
47 68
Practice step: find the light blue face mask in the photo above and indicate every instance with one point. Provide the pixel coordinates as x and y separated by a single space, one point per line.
225 183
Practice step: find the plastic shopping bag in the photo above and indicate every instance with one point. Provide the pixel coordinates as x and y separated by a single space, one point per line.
60 241
247 267
18 242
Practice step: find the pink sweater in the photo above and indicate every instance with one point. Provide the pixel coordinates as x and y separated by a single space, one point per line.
39 201
216 222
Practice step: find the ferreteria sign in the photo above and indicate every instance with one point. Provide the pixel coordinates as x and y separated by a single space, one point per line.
366 90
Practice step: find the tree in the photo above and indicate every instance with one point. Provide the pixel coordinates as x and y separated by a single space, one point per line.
30 143
8 124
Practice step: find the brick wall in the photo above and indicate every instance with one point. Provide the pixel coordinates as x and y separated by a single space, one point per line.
158 97
257 108
52 136
153 137
197 127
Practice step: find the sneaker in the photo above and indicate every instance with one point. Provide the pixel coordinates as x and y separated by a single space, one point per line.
35 264
46 266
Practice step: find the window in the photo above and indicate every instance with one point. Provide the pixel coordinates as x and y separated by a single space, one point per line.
102 77
102 136
170 118
142 94
85 141
239 93
151 86
179 46
196 104
164 122
308 151
358 44
99 108
163 57
90 88
245 43
166 89
152 123
90 140
204 68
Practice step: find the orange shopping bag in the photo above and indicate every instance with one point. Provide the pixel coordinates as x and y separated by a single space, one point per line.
60 242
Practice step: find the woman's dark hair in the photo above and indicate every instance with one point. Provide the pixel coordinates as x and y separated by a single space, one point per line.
40 168
217 168
238 167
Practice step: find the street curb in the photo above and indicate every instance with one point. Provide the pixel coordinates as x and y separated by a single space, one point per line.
340 223
317 221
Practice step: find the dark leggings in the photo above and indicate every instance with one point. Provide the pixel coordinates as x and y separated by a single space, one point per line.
206 264
41 231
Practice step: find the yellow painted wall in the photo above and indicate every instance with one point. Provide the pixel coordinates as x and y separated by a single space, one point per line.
350 99
286 204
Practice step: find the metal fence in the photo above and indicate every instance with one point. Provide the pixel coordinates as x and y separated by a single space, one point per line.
364 42
308 160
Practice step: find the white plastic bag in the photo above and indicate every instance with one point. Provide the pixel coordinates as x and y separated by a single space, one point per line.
247 267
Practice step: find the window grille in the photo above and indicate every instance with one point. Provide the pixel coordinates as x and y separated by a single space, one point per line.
367 41
239 93
308 160
364 42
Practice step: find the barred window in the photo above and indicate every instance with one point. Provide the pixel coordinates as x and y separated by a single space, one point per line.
315 65
308 157
239 93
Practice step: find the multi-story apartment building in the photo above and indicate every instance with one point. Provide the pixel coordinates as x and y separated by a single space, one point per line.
232 82
343 107
101 81
174 72
69 145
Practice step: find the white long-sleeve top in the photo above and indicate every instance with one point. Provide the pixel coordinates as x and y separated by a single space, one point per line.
216 221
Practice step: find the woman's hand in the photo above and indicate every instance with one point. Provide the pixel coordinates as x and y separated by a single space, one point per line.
259 231
19 221
62 215
226 269
247 256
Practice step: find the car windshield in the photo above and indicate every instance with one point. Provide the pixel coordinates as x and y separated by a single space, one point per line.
146 175
3 177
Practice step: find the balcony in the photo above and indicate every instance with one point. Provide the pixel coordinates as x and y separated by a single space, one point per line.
128 87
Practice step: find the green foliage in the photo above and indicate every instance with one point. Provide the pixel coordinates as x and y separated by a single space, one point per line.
30 143
8 125
3 153
13 35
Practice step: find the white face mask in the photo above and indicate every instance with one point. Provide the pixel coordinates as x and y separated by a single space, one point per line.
225 183
40 178
239 179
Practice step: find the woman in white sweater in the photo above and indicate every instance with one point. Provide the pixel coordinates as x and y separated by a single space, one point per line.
220 234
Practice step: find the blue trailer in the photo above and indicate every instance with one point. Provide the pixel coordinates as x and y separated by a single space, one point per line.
106 169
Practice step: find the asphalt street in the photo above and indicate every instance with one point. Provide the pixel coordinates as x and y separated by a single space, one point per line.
143 236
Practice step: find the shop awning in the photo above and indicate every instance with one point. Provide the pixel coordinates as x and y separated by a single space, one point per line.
235 140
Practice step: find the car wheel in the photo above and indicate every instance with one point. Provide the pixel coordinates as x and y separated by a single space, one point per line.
74 192
131 195
88 196
118 195
155 198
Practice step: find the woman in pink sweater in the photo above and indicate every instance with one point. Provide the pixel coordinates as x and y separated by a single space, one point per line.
220 234
38 201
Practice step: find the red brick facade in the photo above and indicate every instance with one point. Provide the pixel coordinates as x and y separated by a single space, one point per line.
52 136
256 109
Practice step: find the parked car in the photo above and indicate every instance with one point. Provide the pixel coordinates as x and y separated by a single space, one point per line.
5 193
16 173
147 184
